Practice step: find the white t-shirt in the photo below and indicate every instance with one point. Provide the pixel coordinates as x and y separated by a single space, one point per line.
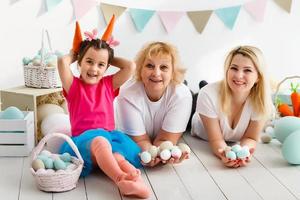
137 115
208 105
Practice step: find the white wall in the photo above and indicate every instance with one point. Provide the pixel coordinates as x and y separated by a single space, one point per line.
202 54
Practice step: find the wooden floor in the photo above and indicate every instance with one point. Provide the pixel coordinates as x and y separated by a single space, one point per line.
201 177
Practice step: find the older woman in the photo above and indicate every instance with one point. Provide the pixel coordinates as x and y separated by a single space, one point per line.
156 105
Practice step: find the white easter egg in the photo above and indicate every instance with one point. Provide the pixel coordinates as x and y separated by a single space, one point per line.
64 105
145 157
55 123
184 148
165 154
47 109
265 138
165 145
153 150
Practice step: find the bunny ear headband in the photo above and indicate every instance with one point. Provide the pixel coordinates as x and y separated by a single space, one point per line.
107 35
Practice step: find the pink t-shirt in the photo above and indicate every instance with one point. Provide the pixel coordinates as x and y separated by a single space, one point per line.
91 106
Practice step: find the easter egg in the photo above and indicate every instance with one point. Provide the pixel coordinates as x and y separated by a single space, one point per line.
266 138
47 109
37 164
12 113
243 153
165 145
165 154
230 154
66 157
153 150
48 163
64 105
46 153
55 123
235 148
270 131
184 148
145 157
176 152
26 60
291 148
58 54
36 62
42 157
284 126
59 164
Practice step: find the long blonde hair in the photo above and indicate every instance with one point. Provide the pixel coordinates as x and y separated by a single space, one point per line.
160 49
260 96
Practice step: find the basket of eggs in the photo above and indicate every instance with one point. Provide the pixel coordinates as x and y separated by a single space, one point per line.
55 172
288 109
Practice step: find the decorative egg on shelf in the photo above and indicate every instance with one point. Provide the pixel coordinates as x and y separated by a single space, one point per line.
12 112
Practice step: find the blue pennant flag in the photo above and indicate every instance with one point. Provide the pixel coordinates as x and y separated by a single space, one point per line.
228 15
52 3
140 17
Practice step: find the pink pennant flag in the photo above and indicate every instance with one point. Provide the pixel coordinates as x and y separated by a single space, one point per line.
81 7
256 9
170 19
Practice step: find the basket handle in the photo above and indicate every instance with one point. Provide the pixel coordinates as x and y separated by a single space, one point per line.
42 143
45 31
279 84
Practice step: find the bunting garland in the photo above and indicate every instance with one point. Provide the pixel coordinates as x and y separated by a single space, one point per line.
169 19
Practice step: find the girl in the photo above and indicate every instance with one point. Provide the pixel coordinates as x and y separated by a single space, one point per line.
156 106
236 108
90 102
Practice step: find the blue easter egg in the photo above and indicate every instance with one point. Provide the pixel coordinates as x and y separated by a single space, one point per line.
291 148
26 60
284 126
66 157
243 153
59 164
58 54
231 155
48 163
12 113
42 157
235 148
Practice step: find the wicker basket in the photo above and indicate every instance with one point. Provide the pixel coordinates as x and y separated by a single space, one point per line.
277 91
61 180
42 76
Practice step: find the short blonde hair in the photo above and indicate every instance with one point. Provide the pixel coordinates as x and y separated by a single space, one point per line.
160 49
260 96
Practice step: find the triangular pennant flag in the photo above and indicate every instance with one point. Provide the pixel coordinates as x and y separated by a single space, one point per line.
199 19
140 17
170 19
52 3
256 9
285 4
110 10
82 7
228 15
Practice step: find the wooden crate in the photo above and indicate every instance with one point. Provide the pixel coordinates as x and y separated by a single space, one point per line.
17 136
25 98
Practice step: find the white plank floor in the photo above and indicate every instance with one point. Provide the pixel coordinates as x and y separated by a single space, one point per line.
201 177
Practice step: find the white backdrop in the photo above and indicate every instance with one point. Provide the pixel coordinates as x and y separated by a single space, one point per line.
202 54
